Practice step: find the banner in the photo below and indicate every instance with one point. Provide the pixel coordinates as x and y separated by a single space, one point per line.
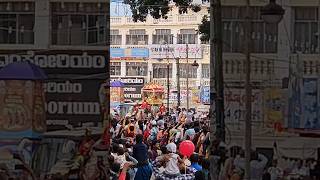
275 106
73 102
235 109
61 61
21 109
175 51
132 88
310 104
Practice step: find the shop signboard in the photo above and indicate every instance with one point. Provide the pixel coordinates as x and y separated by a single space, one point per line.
176 51
132 87
129 53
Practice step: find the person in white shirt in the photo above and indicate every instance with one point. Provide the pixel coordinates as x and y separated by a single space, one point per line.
172 161
275 171
301 170
257 165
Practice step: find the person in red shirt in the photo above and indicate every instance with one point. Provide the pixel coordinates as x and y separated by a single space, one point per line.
162 109
86 144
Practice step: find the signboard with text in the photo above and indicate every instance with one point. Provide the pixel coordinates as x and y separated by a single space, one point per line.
132 88
175 51
72 90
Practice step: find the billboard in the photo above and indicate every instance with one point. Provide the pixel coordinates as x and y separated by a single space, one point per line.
132 87
119 53
275 106
72 102
175 51
72 88
22 111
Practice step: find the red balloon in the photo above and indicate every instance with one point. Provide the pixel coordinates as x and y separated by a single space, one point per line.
186 148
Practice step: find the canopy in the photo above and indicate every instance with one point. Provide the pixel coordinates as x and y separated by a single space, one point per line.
116 84
22 71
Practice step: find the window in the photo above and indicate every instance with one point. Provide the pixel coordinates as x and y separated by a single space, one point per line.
17 22
188 71
263 38
205 71
137 37
115 68
160 70
115 37
136 68
187 36
306 30
73 24
162 35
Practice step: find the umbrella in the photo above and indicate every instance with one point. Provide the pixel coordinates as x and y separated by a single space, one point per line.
117 84
22 71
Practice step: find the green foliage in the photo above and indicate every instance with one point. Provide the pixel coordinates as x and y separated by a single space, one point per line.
160 8
204 29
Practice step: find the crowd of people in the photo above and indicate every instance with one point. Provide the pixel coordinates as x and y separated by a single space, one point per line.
145 146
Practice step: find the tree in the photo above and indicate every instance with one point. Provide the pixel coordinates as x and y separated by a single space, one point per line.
160 8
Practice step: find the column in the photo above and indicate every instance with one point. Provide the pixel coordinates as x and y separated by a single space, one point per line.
199 73
123 69
42 24
150 70
174 74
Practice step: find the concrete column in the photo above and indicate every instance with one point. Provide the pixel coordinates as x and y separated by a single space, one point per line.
42 25
150 70
199 72
174 73
123 69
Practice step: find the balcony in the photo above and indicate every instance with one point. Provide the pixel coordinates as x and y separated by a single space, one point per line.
172 20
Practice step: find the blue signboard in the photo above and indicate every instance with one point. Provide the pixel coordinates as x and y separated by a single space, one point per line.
310 104
117 52
205 95
140 52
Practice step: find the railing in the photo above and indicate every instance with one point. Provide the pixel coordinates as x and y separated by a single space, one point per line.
170 20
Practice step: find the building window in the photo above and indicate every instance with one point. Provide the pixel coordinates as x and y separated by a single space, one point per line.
264 36
187 36
137 68
115 37
160 70
205 71
162 36
16 23
137 37
188 71
306 30
76 24
115 68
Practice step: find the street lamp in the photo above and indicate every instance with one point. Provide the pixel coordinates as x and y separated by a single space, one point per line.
272 13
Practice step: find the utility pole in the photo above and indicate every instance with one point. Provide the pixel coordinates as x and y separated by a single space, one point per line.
188 70
216 68
178 82
248 133
168 79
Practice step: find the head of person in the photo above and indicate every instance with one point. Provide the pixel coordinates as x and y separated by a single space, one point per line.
194 158
274 163
139 138
163 150
121 151
199 175
171 147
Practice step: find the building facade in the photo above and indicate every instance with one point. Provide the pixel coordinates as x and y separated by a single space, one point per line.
274 48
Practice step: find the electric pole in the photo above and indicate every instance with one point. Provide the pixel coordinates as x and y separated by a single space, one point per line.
248 133
188 69
168 79
216 68
178 82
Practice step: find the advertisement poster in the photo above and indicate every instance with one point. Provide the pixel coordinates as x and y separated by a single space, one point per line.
132 88
21 109
310 104
116 95
274 106
73 103
177 50
205 95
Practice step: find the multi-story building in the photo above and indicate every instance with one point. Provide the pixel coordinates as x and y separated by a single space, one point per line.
274 48
68 40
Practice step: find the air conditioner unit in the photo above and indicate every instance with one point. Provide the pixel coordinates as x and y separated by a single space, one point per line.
141 42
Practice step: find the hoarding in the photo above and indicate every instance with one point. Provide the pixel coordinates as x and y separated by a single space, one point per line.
175 51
